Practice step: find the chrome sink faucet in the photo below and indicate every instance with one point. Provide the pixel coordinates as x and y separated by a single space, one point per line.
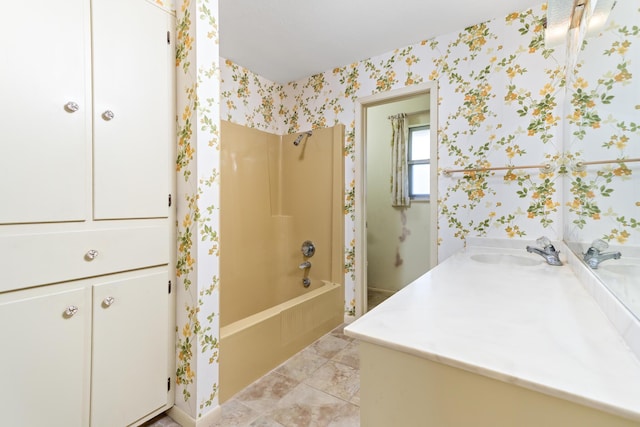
548 251
594 255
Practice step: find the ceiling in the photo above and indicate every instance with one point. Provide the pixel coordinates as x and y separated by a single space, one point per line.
287 40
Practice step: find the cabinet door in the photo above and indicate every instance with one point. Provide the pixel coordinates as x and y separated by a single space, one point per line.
130 338
133 79
43 150
44 364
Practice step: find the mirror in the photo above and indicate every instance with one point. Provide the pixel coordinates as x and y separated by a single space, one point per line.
602 126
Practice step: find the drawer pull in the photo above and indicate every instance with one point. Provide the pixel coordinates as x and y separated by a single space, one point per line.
108 301
71 106
108 115
70 311
91 255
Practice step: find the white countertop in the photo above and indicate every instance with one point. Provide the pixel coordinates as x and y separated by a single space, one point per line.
530 325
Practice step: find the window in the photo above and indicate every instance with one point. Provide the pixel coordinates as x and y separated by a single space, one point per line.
419 162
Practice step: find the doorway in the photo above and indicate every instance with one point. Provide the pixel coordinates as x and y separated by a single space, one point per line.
394 246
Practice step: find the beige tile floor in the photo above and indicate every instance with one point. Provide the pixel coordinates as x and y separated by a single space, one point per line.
376 297
317 387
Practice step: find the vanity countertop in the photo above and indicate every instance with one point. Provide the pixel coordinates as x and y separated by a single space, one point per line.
505 314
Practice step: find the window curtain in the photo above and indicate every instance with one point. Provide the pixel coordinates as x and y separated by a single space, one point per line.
399 166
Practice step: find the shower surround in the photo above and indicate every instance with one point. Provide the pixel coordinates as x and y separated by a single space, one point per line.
276 195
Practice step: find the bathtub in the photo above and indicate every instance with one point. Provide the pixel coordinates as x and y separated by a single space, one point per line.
255 345
275 196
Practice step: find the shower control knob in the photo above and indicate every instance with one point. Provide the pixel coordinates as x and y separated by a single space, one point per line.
71 106
308 248
108 115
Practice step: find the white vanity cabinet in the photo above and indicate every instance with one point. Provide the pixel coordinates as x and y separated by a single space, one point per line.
45 358
477 343
87 136
86 111
45 113
133 72
129 360
95 343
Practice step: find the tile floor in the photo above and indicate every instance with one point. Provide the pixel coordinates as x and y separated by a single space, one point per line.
317 387
375 297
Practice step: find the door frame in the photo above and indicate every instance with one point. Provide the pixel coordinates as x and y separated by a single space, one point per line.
361 105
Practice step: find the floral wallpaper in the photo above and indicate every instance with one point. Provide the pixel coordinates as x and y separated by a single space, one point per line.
197 166
168 5
503 100
500 103
247 87
603 96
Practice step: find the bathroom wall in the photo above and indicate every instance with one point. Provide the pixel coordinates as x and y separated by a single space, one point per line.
168 5
312 192
274 196
500 95
197 204
398 239
603 103
248 171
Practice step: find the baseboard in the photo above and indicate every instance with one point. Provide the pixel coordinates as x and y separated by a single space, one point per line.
185 420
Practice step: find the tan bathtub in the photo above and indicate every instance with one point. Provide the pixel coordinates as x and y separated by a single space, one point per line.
274 196
257 344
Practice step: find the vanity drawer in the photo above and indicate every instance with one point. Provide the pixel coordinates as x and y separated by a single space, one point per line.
28 260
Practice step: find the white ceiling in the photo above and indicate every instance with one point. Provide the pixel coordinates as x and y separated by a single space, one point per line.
286 40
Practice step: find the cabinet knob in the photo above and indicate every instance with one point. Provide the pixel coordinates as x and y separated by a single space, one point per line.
91 255
108 115
70 311
108 301
71 106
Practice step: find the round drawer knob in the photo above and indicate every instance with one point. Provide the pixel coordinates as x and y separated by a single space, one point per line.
108 115
71 106
108 301
70 311
91 255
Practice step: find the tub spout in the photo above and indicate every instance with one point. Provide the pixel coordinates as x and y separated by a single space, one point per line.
305 265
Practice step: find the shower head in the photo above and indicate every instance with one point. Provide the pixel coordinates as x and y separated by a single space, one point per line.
298 140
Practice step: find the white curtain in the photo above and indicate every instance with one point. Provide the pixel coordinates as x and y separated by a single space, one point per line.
399 167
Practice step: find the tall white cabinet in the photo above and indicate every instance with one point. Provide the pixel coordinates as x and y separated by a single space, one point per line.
86 223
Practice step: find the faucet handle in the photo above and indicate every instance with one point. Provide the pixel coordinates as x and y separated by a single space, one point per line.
543 241
600 245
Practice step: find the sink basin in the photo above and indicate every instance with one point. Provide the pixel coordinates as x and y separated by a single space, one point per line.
623 280
506 259
633 270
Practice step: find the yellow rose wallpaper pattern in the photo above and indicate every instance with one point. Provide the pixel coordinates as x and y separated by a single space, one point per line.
504 99
500 92
168 5
197 166
603 124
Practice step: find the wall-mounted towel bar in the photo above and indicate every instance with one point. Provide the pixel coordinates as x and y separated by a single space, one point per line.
544 168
